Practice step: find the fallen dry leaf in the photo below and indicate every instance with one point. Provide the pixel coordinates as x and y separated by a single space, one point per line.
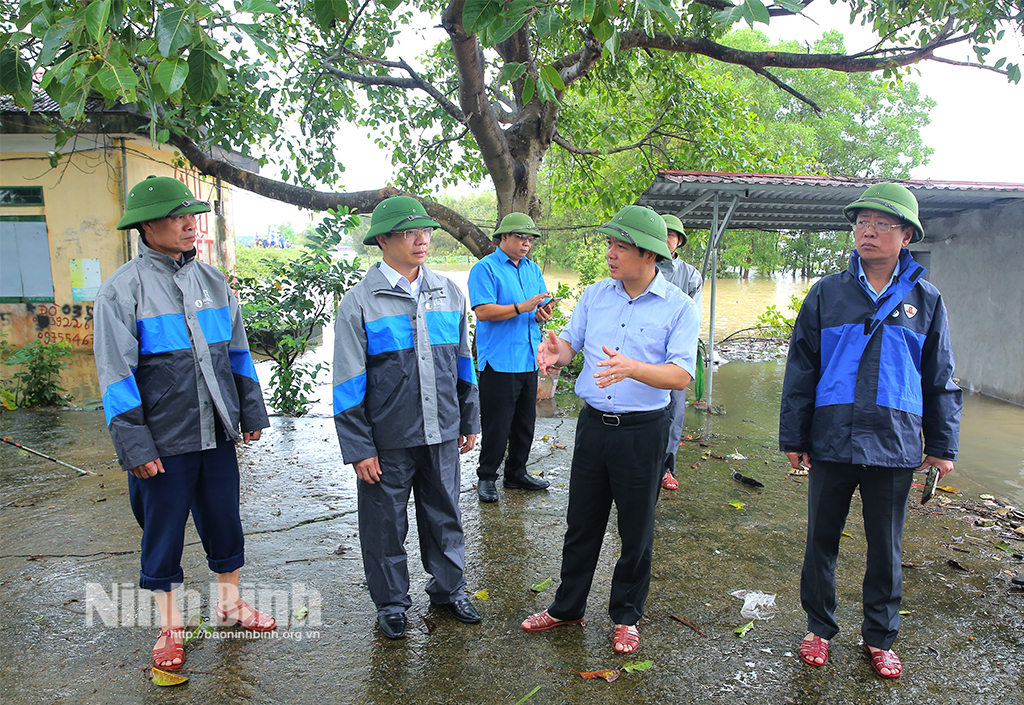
166 678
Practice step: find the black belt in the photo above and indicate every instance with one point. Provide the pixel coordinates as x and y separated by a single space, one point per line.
628 419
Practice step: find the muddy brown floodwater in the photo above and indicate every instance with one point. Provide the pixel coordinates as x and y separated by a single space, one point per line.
74 630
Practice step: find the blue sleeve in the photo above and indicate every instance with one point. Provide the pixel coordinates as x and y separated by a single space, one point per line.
483 289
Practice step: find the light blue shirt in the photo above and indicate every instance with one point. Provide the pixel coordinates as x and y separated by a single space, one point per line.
397 279
509 345
863 279
658 327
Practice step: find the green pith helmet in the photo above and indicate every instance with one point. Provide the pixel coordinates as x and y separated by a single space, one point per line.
157 197
515 223
894 199
673 223
397 213
640 226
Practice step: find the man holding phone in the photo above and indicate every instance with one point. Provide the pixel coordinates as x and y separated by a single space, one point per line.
507 291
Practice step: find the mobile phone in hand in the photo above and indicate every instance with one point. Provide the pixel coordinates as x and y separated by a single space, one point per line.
931 482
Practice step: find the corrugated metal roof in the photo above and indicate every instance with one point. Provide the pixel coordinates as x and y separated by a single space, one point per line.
783 202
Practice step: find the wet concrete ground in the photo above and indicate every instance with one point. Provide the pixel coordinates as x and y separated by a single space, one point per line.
962 639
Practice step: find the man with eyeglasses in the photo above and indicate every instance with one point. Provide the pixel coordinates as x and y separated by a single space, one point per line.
506 291
638 334
869 373
405 406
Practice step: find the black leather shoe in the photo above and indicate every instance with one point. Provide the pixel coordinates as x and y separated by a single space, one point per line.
463 610
393 625
486 490
526 482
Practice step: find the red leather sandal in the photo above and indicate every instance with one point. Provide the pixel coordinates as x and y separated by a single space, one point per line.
173 648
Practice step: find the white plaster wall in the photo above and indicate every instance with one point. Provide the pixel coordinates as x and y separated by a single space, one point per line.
977 262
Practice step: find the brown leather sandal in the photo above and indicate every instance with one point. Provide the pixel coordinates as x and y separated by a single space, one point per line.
814 648
173 648
254 620
542 621
884 659
625 639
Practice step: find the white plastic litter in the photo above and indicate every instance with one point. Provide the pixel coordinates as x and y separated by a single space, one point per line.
756 604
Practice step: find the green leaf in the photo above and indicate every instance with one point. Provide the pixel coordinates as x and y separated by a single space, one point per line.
96 16
15 72
631 666
173 31
528 88
546 91
542 585
170 74
201 82
612 45
582 9
550 74
328 12
742 631
258 36
509 28
603 30
261 7
758 11
548 24
737 504
477 14
73 102
794 6
119 80
55 37
391 4
511 72
1013 72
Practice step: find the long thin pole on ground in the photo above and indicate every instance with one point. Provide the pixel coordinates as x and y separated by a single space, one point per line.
80 471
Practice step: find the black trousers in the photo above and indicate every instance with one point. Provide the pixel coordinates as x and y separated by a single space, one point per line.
508 415
612 463
884 493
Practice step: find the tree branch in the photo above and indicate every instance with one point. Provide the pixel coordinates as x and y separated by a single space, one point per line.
638 39
480 115
569 147
789 89
415 82
359 201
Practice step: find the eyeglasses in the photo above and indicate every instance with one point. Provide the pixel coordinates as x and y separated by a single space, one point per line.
861 226
524 237
414 232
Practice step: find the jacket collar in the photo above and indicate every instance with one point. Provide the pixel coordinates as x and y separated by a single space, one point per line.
159 261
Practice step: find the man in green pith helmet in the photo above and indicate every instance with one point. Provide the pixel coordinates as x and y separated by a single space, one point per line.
869 374
179 391
690 282
507 292
405 406
638 334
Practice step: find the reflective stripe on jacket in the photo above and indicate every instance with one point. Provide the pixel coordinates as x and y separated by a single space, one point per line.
868 402
172 356
403 372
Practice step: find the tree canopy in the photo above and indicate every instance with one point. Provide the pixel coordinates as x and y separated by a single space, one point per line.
511 80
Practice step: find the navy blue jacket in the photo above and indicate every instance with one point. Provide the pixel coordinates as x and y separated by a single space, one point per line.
858 392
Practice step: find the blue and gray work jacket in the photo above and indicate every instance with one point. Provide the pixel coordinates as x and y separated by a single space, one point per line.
865 380
403 372
172 358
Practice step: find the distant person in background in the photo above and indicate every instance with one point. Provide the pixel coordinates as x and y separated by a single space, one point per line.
506 291
638 334
870 371
405 406
179 391
690 282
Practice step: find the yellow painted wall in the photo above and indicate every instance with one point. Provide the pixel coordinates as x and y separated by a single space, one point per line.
83 201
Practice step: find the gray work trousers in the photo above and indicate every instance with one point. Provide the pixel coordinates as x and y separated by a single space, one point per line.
675 429
432 473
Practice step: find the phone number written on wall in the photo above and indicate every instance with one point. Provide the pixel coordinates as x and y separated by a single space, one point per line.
71 323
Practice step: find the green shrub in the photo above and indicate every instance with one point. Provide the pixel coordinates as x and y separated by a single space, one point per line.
38 382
